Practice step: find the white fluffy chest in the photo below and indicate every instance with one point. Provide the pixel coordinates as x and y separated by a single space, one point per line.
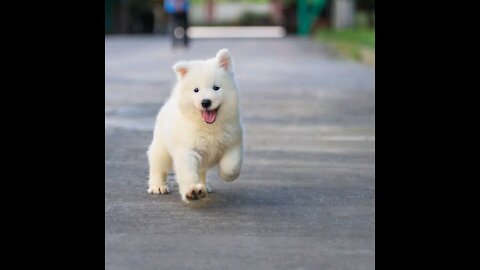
212 145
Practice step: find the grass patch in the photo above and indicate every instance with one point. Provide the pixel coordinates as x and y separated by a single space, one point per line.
358 44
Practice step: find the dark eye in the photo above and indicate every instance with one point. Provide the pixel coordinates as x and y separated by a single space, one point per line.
195 90
215 87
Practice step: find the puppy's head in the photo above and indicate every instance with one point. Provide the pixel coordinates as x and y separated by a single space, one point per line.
207 88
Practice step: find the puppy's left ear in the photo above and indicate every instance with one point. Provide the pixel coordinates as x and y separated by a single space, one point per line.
225 60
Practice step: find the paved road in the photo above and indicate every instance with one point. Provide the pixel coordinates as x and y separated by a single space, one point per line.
306 195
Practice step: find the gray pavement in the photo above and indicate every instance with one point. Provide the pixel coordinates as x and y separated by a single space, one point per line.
306 195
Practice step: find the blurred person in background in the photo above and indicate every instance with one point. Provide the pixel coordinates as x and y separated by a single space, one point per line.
178 21
276 11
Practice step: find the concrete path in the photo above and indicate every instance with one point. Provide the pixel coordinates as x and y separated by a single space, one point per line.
306 195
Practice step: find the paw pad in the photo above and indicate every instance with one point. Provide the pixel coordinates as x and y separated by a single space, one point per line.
196 192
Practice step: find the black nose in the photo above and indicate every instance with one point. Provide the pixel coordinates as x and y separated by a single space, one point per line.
206 103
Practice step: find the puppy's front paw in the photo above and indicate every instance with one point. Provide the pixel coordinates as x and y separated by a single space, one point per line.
195 192
158 189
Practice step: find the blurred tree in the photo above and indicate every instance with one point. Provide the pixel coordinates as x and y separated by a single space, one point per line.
160 18
276 11
252 18
290 15
367 6
129 16
210 9
140 5
307 14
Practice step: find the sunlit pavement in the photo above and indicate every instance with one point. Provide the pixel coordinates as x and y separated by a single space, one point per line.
306 195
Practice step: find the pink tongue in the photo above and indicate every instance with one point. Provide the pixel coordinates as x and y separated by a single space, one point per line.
209 116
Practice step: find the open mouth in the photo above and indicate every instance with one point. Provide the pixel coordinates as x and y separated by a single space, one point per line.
209 116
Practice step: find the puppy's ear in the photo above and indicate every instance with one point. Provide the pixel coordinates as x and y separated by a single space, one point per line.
181 68
225 60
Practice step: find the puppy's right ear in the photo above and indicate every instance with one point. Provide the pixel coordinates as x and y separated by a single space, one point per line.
181 68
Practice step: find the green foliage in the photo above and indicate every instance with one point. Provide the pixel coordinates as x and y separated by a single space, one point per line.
252 18
359 36
353 43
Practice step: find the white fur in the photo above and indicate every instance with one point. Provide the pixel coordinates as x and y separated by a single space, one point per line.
184 141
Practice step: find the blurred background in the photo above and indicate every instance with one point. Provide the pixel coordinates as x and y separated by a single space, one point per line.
305 198
348 26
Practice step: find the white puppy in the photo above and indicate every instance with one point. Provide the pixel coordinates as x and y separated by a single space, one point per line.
197 128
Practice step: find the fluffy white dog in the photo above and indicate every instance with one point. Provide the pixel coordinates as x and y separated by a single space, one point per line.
197 128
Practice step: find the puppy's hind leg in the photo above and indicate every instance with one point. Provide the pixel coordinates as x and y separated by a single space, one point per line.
160 163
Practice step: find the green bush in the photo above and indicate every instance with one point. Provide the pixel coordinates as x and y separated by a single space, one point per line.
252 18
355 43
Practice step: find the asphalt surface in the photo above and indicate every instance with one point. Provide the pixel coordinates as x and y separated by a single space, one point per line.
306 195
